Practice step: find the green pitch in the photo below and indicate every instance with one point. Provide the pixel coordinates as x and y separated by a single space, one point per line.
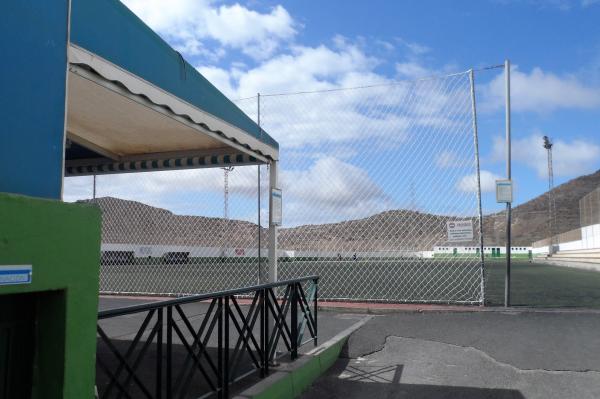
390 280
542 285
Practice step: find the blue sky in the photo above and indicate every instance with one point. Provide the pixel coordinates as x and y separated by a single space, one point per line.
284 46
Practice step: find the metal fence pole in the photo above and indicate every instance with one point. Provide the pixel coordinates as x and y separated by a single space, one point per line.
263 350
315 310
273 183
294 321
226 349
169 352
479 208
258 190
220 347
266 329
159 345
508 176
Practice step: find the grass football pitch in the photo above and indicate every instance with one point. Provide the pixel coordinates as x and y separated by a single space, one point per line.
437 281
540 285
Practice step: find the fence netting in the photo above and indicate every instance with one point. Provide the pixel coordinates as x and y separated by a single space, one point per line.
176 232
372 180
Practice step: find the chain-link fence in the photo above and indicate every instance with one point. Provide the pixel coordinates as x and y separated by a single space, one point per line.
372 177
589 209
176 232
374 181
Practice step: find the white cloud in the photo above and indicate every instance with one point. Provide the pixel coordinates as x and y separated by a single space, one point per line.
450 159
413 70
415 48
570 158
186 23
488 182
390 111
332 189
309 69
540 91
328 190
76 188
163 187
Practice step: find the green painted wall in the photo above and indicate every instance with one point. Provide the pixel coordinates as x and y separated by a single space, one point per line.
62 243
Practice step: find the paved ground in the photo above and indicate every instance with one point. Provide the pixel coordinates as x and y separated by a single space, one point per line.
469 355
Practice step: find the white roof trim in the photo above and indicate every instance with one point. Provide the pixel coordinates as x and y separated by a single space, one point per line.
137 85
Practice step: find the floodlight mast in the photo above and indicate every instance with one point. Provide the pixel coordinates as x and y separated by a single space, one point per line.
225 205
551 201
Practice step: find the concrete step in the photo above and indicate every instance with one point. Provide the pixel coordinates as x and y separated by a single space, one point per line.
581 251
570 262
574 259
577 255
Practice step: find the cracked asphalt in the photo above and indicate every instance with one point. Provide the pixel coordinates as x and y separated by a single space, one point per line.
492 355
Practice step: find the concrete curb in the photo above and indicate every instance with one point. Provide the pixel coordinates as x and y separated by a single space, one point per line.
400 308
290 380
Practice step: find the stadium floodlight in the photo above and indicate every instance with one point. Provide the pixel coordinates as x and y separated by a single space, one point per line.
551 201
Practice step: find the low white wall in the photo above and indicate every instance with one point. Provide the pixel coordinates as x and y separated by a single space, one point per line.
590 236
590 239
571 245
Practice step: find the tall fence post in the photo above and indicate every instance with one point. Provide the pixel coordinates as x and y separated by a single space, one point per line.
260 273
479 207
508 176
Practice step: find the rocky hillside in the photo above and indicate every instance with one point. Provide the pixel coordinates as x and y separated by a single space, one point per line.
530 220
133 222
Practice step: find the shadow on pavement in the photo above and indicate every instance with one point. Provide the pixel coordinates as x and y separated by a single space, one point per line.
188 381
345 381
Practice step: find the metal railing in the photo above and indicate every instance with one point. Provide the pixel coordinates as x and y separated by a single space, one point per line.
175 354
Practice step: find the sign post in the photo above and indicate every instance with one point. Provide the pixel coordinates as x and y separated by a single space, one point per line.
504 194
508 177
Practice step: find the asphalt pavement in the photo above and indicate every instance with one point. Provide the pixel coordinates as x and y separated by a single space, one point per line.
515 354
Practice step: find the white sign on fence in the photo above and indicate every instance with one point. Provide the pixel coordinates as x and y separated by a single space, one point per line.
460 230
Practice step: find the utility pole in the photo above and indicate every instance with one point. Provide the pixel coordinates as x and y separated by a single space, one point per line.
508 176
551 202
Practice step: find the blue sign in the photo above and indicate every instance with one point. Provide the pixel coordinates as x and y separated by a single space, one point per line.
11 275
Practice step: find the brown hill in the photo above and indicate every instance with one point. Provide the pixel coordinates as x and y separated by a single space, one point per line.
530 220
134 222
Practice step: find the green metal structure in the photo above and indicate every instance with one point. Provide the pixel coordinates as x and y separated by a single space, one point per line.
48 325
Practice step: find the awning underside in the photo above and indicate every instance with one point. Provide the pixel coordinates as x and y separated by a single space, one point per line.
111 130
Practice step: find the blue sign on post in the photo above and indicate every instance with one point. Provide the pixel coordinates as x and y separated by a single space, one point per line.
10 275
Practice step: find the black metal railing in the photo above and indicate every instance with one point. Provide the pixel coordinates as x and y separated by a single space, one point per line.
175 354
